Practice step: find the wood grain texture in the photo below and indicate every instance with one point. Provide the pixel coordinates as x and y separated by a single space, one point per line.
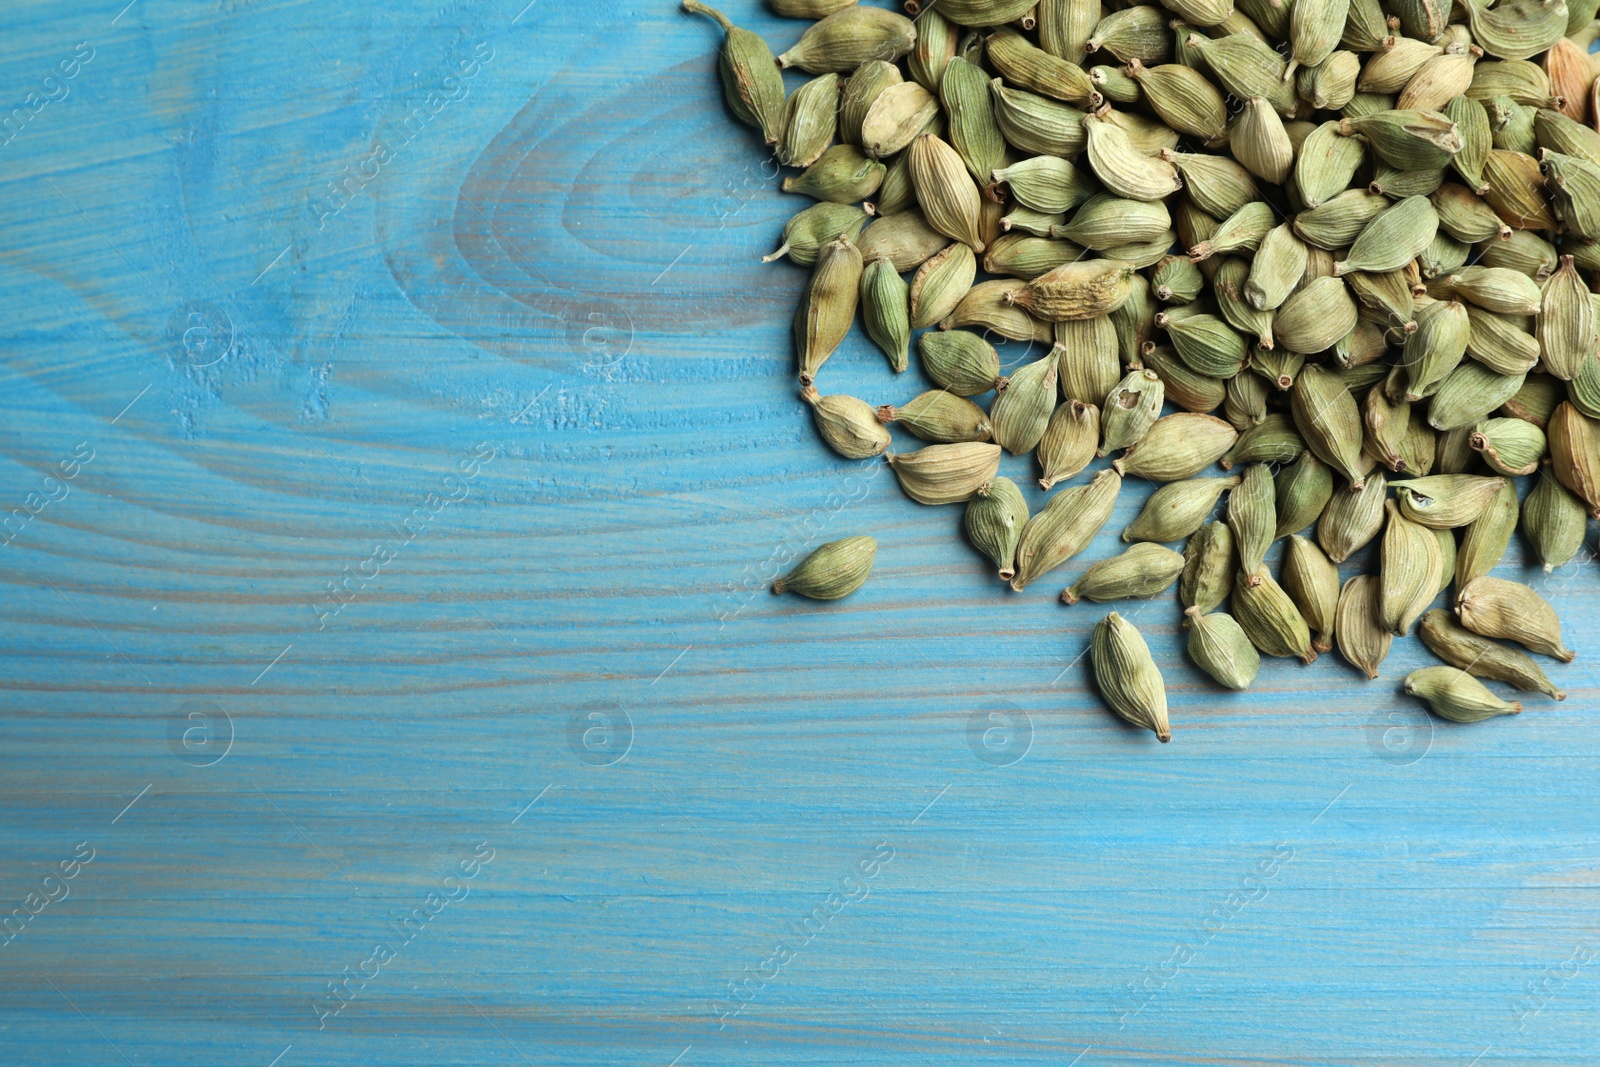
559 268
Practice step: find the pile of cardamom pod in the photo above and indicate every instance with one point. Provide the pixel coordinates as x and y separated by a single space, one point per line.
1336 246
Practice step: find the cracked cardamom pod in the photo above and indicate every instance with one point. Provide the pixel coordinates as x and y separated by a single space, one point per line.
1494 607
1128 676
861 91
994 520
1446 501
1479 656
1139 573
945 473
834 570
1132 407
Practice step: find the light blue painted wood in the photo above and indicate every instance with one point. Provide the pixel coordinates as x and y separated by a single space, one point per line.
558 268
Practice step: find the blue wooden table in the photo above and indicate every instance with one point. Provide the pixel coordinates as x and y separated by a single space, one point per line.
399 432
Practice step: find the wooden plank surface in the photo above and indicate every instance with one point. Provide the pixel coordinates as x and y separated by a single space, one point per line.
522 397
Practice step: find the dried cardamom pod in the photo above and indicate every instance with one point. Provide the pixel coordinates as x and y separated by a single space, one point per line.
1392 239
1330 422
849 426
828 306
1575 453
1362 641
1107 221
1122 168
1046 183
1270 619
1435 348
1494 607
1246 405
994 520
1252 515
946 473
750 78
1339 220
1022 408
1555 522
905 240
1481 657
1302 490
900 113
1207 344
937 41
806 233
841 175
848 38
1519 28
1228 285
1064 26
1132 407
941 417
1454 694
1487 537
1024 64
974 133
1260 142
1209 567
1185 100
1312 582
1468 395
1036 124
1568 326
1083 290
1503 343
1278 266
1128 677
1217 185
1176 280
1139 573
1330 85
1352 518
1177 446
1316 317
810 121
1219 646
1411 571
1247 66
1068 443
940 283
861 90
1065 527
1133 33
949 199
884 311
833 571
1185 389
1509 446
987 308
1497 289
1178 509
1513 188
1446 501
959 361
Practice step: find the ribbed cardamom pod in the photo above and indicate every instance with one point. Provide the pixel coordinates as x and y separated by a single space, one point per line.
1497 289
1185 100
1362 641
982 13
1219 646
1176 447
834 570
1444 255
1122 168
1022 63
1534 402
1133 33
1252 516
1512 125
1509 446
1315 27
1517 29
1065 527
1387 425
1436 348
949 199
1314 318
1481 657
1411 570
1026 220
1064 26
1486 538
1503 343
1216 184
1446 501
900 113
959 361
1455 454
1260 142
1312 582
1555 522
1393 239
904 239
1228 283
1106 221
1328 419
1027 258
806 233
946 473
994 520
1241 231
1407 139
1568 328
1247 66
1438 81
750 78
1270 619
1468 395
1524 82
1571 74
808 9
1135 321
1352 519
1177 280
1084 290
986 307
1022 408
828 305
1206 343
1326 163
1302 490
1396 183
1048 184
1246 405
1209 567
1385 298
1472 123
1575 453
846 39
1068 442
1454 694
861 90
1515 190
1035 124
1419 448
1361 346
940 417
884 311
1139 573
1128 677
1559 133
841 175
940 283
849 426
1448 553
1339 220
1329 85
938 38
1185 389
1177 510
1465 216
1131 408
1494 607
964 90
810 121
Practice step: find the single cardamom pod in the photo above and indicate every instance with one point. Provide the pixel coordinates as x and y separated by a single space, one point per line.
1481 657
1455 454
1574 441
884 311
1240 232
834 570
1246 405
1487 537
848 425
1555 521
940 283
810 121
946 473
848 38
1022 408
1536 400
1514 189
1339 220
1177 446
1435 349
1411 568
1036 124
1248 66
1328 419
937 41
994 520
1186 389
1352 519
1135 321
1133 33
1217 185
974 133
1497 289
1454 694
1519 28
1277 267
1083 290
900 113
986 307
861 90
1065 527
1128 676
1302 490
1316 317
1407 139
1178 509
1392 239
1315 27
1132 407
981 13
1509 446
1494 607
1209 568
1107 221
1362 641
941 417
1503 343
949 199
1326 163
1034 223
1258 140
1252 516
1446 501
1068 442
1444 255
841 175
1024 64
905 240
1139 573
1025 257
1206 343
808 231
1185 100
1568 328
1468 395
1122 167
1270 619
1219 646
1330 85
1472 123
1064 26
750 78
1387 424
828 305
1176 280
959 361
1386 298
1312 582
1048 184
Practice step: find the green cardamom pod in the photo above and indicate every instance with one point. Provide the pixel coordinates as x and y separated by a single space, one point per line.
884 311
1272 440
1333 224
1185 100
1468 395
1444 255
1178 509
1498 289
981 13
905 240
810 121
1128 677
849 426
1455 454
806 233
841 175
1435 348
1509 446
1446 501
938 39
1260 141
1133 33
1086 359
1503 343
1217 185
1270 619
949 199
1362 641
1517 29
1177 446
994 520
945 473
1034 223
900 113
1472 123
1568 327
1392 239
1352 519
1065 25
1487 537
1186 389
1209 567
1314 318
1065 527
940 417
1025 257
959 361
1139 573
1454 694
1122 167
1068 442
1219 646
1024 64
940 283
1106 222
1411 566
1330 85
1302 490
1494 607
1574 441
986 307
1036 124
1247 66
1240 232
1132 407
1277 267
846 39
1481 657
1535 401
1084 290
1514 188
861 90
1555 522
1326 163
1047 184
751 81
1022 408
1387 426
1386 298
1464 215
1176 280
1135 321
1312 582
1328 419
1206 343
1228 288
974 133
1252 516
828 306
834 570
